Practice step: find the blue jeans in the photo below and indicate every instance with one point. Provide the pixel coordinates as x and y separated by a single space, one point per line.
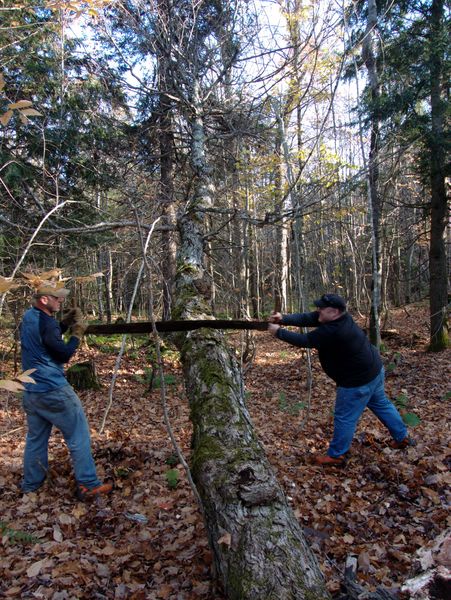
62 408
350 404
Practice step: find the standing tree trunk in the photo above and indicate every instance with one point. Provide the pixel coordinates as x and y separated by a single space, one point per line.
258 546
439 206
253 270
374 201
108 258
281 242
166 193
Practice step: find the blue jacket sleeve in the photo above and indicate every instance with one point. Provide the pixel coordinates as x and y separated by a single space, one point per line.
51 338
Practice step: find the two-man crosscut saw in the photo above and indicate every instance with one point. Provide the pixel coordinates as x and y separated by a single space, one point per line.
168 326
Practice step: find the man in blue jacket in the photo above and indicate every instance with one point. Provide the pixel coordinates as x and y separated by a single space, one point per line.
347 357
51 401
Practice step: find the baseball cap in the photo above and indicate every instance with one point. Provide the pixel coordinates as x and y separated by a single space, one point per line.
331 300
50 288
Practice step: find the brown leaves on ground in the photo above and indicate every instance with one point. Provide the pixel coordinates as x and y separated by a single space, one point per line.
147 540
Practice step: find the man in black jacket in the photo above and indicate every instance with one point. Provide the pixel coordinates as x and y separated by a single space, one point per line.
347 357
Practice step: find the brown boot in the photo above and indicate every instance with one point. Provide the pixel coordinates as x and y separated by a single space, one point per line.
330 461
405 443
84 493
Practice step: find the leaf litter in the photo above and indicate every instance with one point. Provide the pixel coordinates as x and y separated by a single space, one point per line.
148 541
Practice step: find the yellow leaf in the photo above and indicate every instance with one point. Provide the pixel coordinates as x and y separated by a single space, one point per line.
6 284
23 118
49 274
24 378
11 386
20 104
2 82
87 278
31 112
29 276
28 371
79 511
6 117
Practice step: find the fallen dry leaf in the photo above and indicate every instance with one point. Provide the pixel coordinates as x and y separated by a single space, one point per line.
382 508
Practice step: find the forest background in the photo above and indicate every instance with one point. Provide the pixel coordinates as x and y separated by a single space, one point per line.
313 179
225 158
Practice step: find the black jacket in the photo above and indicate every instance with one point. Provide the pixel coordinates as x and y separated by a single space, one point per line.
344 351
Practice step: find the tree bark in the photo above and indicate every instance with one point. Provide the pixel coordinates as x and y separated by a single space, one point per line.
166 192
439 207
281 235
259 548
374 202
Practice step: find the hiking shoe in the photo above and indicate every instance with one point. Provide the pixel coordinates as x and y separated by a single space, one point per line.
405 443
84 493
330 461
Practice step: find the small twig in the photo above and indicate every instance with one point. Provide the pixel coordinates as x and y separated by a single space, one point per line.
124 337
163 396
11 431
304 421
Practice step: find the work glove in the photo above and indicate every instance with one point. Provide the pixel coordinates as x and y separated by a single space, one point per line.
78 328
71 315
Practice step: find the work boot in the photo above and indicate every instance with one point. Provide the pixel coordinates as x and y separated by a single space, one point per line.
405 443
85 494
330 461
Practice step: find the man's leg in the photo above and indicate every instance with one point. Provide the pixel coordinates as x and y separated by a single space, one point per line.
35 461
349 406
71 421
386 411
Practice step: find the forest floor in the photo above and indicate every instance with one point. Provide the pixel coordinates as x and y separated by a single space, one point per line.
147 540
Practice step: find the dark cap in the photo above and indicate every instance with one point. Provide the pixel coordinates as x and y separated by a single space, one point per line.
332 300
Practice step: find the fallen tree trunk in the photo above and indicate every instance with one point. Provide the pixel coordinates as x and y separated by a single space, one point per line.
258 545
168 326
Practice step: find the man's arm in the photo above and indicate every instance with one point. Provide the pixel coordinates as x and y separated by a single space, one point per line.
309 319
51 337
295 339
298 319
